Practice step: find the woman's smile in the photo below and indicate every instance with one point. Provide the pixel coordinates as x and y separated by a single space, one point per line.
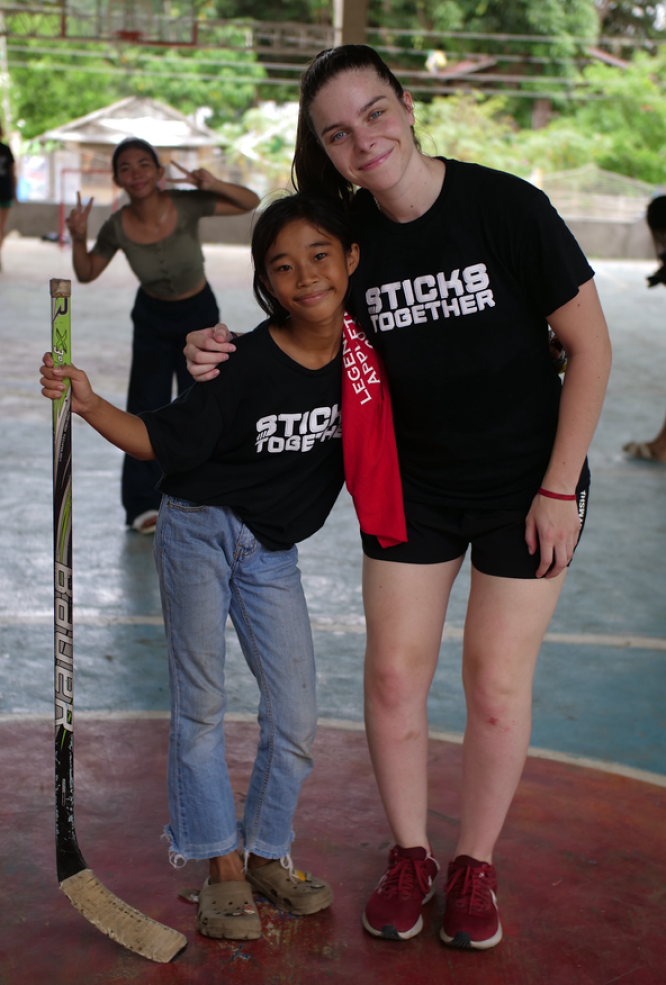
376 162
365 129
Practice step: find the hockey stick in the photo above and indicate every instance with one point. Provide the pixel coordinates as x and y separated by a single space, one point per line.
109 914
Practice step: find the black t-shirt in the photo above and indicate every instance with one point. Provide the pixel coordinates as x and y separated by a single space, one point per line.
456 303
6 178
263 438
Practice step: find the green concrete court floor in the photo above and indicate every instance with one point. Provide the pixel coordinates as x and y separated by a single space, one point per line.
600 680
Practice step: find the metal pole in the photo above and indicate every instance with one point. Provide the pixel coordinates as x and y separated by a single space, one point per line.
350 21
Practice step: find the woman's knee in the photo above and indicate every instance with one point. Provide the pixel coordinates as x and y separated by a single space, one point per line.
393 685
496 696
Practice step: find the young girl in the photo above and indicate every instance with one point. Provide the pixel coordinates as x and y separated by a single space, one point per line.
462 268
158 232
252 463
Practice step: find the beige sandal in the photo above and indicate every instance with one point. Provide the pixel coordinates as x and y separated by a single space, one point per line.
642 450
227 911
290 889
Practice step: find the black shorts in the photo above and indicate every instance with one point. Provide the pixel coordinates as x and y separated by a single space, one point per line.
443 533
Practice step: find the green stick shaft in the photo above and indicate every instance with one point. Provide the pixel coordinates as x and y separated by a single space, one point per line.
67 852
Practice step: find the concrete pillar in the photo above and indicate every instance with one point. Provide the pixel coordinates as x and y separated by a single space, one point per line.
542 111
350 19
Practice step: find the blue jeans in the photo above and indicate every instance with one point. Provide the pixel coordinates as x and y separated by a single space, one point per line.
211 566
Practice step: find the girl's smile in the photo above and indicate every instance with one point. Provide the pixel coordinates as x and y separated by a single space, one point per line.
307 271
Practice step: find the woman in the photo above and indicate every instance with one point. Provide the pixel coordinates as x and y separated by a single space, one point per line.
158 233
461 270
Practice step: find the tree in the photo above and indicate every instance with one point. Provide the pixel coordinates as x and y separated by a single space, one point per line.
631 116
45 96
470 127
301 11
560 18
631 19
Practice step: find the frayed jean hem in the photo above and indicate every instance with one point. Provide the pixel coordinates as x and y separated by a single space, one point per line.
178 856
258 847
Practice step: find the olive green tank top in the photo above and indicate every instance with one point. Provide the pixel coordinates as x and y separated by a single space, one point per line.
172 266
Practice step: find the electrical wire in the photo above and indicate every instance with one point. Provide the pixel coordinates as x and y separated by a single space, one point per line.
282 66
433 90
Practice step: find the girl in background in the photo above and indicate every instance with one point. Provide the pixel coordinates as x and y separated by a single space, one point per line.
158 232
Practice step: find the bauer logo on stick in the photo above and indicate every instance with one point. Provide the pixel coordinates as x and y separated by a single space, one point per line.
122 923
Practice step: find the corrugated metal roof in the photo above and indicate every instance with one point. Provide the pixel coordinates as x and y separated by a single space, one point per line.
136 116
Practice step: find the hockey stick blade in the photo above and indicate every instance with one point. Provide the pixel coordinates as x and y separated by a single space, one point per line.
119 921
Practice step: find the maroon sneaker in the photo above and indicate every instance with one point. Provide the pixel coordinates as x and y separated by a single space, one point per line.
471 919
394 909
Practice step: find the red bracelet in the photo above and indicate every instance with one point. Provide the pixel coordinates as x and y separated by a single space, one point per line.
552 495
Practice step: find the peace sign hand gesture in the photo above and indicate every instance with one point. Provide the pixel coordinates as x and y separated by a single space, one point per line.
201 179
77 222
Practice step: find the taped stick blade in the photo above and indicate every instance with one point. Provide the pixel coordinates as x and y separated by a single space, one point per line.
121 922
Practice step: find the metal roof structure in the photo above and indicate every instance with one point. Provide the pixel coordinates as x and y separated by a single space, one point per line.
136 116
589 192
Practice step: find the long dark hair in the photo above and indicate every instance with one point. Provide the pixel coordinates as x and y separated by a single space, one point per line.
312 169
324 213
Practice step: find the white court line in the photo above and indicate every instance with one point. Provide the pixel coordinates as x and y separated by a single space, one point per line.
356 625
347 725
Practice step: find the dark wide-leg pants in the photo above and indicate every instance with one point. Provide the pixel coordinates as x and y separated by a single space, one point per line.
160 328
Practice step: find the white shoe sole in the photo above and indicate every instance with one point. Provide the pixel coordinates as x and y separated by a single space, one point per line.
389 933
463 942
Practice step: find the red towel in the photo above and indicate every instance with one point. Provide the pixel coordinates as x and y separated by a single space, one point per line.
368 440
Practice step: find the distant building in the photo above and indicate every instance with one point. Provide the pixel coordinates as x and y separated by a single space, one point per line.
81 157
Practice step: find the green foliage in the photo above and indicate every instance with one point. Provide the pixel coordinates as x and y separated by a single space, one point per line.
467 127
631 116
564 20
44 96
470 127
623 132
631 18
263 140
301 11
560 146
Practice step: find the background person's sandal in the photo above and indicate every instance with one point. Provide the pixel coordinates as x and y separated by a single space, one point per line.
642 450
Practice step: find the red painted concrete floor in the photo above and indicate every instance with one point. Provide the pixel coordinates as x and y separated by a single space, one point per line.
582 870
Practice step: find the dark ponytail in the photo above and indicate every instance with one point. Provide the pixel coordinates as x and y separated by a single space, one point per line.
312 169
